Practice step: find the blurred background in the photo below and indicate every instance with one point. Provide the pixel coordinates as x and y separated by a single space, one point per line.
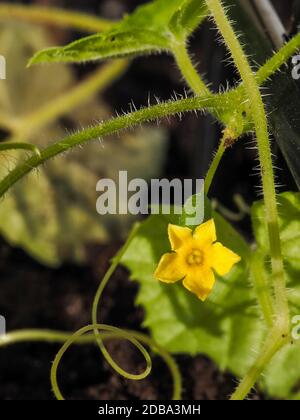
54 247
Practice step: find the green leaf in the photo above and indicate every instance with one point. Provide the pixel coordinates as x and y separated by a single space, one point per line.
151 28
113 44
224 327
289 223
186 19
228 326
283 374
52 213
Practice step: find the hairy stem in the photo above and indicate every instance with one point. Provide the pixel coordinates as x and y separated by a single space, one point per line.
199 88
188 70
278 60
271 66
273 344
264 149
267 173
106 128
55 16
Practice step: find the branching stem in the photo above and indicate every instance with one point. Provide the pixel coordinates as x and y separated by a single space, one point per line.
106 128
281 326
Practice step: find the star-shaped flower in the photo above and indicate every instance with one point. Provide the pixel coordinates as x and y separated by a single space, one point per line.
195 257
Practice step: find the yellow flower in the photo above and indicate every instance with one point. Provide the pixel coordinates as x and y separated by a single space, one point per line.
194 257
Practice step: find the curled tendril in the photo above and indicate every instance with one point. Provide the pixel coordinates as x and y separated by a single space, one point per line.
117 334
137 339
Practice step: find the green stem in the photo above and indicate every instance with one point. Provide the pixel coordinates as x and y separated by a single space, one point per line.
262 287
107 128
135 338
121 334
188 70
96 304
132 336
77 96
199 88
214 166
273 344
267 173
263 74
278 60
19 146
272 65
55 16
265 155
49 336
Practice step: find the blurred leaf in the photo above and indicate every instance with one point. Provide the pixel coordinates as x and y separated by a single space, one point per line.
24 90
52 212
151 28
283 374
289 222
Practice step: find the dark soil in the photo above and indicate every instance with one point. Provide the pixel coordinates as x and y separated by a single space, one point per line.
35 297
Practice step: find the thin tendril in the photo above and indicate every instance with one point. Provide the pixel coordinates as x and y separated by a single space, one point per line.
99 327
96 305
131 336
20 146
52 336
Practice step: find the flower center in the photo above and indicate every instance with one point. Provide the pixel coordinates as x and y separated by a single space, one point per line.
195 257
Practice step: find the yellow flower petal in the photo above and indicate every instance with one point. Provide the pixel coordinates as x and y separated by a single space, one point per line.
170 268
223 259
205 234
200 283
178 235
